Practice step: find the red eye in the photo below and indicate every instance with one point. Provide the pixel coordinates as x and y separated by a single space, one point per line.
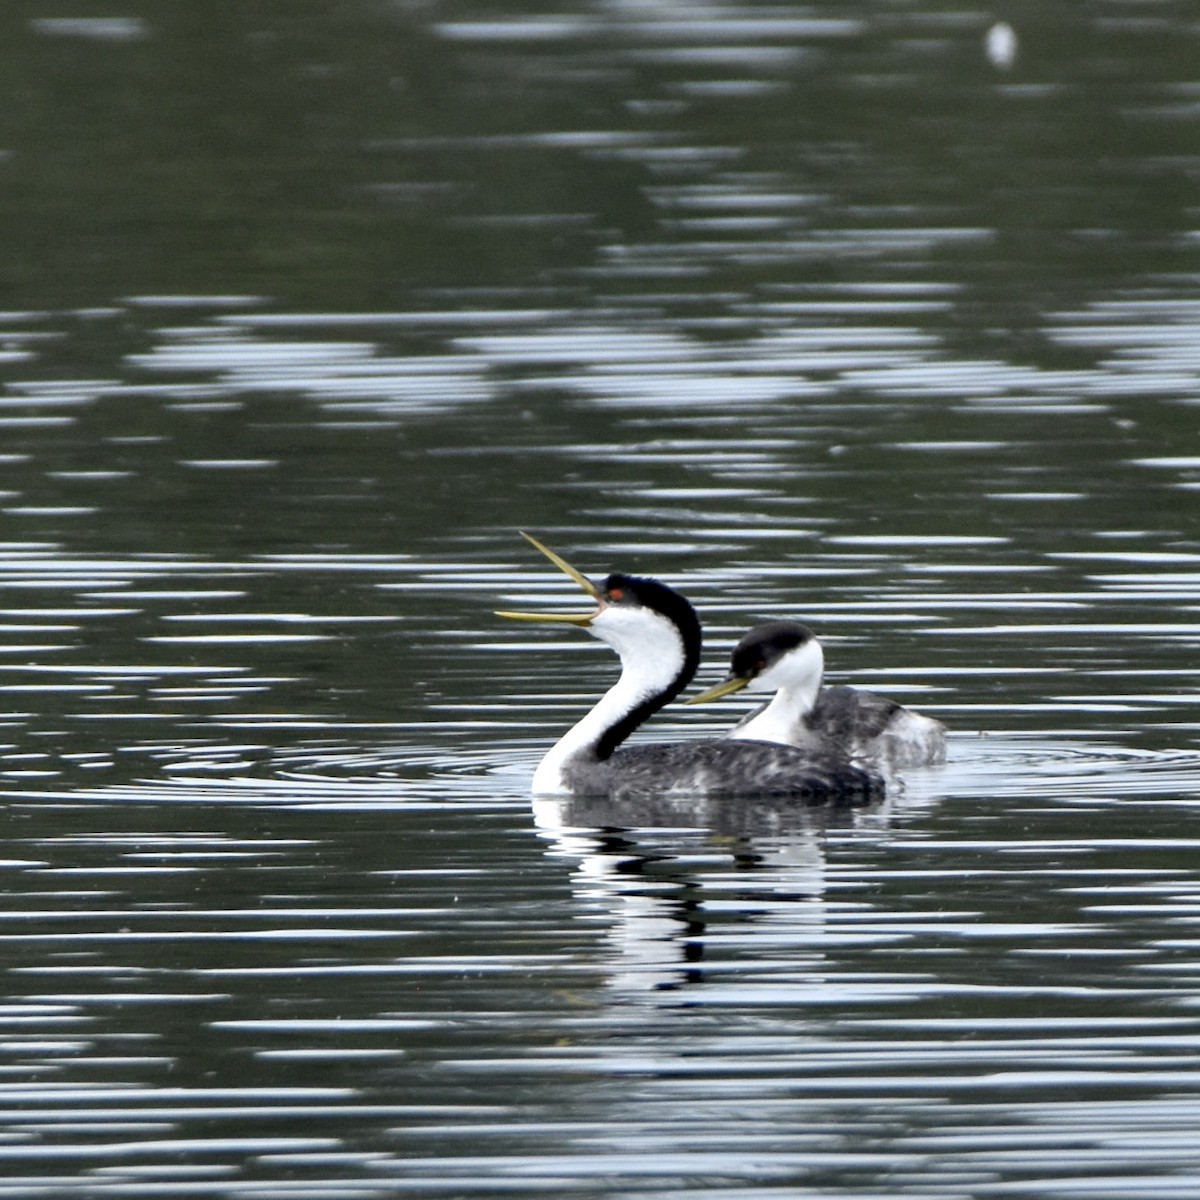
617 594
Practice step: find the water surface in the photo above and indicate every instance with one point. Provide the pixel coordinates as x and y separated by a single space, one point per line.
809 313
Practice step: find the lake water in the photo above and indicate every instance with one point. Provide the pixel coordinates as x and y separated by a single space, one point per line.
826 312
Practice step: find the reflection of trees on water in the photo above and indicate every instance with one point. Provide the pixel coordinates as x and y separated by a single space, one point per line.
351 155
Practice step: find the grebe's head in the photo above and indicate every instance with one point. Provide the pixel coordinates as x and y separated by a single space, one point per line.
779 654
641 619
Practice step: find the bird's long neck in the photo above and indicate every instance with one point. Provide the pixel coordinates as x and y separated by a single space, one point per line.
782 717
656 665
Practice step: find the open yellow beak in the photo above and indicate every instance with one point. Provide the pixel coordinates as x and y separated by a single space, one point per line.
584 582
720 689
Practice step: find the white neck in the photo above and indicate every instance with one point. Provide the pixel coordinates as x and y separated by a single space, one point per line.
780 721
652 656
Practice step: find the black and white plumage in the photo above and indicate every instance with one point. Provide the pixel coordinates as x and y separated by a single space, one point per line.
656 633
785 658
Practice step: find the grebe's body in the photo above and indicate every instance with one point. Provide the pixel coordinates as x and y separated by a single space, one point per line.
656 633
785 658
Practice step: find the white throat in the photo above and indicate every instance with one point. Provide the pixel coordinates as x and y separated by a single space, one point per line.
652 655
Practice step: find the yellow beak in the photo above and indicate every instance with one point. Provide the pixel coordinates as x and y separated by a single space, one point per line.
584 582
721 689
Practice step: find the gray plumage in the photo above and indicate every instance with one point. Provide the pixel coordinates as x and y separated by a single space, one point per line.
864 725
741 768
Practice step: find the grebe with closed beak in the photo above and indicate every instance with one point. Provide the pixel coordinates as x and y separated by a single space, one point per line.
656 633
785 658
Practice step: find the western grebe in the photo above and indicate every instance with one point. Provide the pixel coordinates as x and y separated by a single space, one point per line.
656 633
785 658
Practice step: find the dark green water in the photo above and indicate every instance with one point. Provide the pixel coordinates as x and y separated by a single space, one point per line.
306 309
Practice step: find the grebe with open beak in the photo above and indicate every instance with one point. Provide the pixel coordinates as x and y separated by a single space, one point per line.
656 634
